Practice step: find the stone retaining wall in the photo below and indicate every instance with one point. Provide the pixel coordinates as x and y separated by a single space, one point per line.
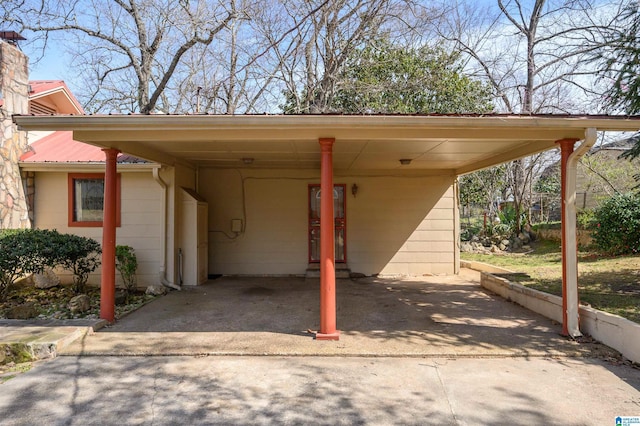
583 237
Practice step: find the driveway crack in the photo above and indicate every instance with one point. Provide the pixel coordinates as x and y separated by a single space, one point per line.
153 397
444 390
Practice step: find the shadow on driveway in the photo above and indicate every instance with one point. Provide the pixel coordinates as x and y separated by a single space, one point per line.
432 316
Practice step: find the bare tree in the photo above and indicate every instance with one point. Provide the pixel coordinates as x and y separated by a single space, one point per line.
316 53
126 49
532 53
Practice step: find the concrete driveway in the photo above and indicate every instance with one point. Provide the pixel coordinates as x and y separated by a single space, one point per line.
432 316
320 391
438 351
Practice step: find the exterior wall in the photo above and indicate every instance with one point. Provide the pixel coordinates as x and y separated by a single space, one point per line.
402 226
141 218
395 225
14 88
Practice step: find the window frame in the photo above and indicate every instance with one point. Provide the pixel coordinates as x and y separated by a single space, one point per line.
71 178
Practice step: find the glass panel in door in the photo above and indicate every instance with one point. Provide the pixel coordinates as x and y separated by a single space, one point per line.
339 210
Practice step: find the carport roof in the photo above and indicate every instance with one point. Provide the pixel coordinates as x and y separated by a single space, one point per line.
454 143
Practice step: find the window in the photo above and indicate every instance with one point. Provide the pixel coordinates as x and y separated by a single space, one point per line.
86 199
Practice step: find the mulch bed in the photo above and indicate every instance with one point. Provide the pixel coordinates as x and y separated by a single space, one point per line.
53 303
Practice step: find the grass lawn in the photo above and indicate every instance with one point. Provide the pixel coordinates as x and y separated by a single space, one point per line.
611 284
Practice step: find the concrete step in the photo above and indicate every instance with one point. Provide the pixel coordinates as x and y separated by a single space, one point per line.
30 340
342 270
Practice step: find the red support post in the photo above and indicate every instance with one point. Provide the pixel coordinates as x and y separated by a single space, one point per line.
108 278
327 246
566 149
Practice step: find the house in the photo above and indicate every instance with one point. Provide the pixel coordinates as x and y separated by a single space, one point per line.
602 173
45 175
245 188
294 195
62 177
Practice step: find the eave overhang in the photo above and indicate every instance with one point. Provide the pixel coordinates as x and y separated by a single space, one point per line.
454 144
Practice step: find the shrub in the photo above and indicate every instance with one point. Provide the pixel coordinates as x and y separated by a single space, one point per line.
24 251
127 264
80 255
509 224
617 228
586 219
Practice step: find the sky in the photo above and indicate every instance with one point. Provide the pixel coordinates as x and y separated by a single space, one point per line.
50 67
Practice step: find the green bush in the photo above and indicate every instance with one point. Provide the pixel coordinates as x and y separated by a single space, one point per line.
80 255
24 251
127 264
617 229
586 219
508 224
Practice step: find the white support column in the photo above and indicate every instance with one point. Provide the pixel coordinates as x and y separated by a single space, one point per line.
570 258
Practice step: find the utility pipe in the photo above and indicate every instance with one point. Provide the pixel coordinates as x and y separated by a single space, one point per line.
571 320
163 231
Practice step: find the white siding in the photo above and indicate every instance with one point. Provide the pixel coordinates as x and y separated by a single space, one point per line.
140 218
395 225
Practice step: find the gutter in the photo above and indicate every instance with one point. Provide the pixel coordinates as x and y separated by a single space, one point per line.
163 232
82 166
321 123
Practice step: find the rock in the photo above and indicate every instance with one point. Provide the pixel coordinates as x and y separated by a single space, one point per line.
475 239
47 279
79 304
524 237
494 249
466 247
156 290
24 311
502 247
505 242
121 297
516 243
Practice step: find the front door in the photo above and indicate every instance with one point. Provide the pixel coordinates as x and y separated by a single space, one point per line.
340 223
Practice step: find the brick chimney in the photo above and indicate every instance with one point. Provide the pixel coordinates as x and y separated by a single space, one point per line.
14 99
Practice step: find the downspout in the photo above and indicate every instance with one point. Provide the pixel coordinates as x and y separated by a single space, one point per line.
163 232
570 259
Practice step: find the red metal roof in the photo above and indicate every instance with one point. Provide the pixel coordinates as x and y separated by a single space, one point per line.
41 88
59 147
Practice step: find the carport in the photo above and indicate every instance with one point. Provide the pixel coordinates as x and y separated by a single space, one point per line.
410 145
